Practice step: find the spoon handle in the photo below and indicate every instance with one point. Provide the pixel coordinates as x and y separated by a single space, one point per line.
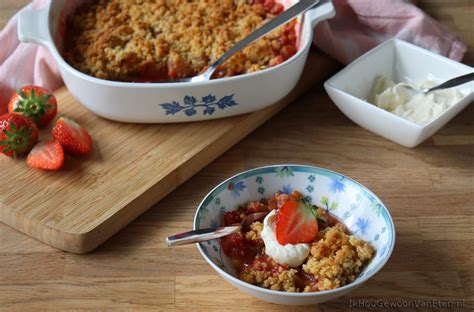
454 82
281 19
201 235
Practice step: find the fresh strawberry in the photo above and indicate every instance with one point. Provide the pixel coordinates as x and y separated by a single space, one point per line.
73 137
48 155
296 223
35 102
18 134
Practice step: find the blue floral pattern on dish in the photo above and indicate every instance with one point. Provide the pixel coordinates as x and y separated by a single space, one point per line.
236 188
337 185
362 225
377 208
208 105
286 189
363 213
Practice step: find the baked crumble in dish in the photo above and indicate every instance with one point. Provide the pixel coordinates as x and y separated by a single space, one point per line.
156 40
298 247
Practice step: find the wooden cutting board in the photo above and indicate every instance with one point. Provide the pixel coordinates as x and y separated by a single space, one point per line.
133 166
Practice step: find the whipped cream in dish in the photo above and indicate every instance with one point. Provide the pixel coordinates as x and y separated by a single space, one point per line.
416 107
291 255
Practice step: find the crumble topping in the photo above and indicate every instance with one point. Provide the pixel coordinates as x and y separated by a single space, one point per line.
152 40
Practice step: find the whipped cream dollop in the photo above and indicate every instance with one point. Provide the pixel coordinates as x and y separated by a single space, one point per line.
289 254
419 108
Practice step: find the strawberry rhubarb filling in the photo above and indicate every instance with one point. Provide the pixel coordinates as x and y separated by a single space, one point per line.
297 247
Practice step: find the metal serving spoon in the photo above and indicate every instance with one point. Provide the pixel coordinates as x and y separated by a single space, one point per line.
203 235
287 15
457 81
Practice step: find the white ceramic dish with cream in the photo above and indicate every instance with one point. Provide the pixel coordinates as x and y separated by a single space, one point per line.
357 207
399 61
166 103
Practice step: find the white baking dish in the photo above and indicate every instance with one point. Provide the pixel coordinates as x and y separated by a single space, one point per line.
175 102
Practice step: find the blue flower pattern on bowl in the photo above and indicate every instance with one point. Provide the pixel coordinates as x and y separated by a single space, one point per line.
236 188
337 185
362 226
286 189
351 202
208 105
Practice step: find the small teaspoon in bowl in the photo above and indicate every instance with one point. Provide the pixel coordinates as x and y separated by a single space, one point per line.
203 235
287 15
457 81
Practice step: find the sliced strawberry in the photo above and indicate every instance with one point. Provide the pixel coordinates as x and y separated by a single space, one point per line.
296 223
18 134
73 137
34 102
48 155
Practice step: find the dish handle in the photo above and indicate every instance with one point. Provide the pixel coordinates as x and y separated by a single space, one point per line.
323 10
33 26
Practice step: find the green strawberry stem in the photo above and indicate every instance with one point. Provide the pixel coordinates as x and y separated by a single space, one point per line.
314 210
18 140
33 106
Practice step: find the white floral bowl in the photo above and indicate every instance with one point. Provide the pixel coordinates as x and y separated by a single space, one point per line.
356 206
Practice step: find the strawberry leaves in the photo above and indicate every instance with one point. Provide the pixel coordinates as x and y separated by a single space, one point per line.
33 106
29 108
314 209
18 135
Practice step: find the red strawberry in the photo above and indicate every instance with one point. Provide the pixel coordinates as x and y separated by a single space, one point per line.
18 134
48 155
296 223
73 137
35 102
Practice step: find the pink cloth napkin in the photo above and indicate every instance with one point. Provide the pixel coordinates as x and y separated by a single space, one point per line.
358 26
24 63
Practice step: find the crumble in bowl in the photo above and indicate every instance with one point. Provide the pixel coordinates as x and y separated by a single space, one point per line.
335 257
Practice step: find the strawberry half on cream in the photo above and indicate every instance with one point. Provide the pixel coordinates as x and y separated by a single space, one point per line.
292 255
288 232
